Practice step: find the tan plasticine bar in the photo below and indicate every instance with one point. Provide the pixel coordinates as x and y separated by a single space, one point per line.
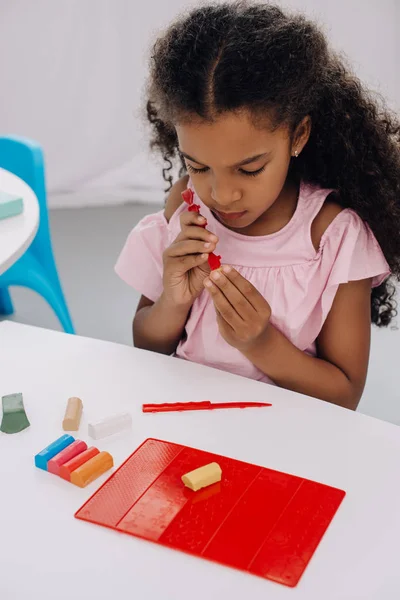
73 413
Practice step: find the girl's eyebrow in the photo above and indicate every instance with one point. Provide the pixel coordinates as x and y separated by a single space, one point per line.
246 161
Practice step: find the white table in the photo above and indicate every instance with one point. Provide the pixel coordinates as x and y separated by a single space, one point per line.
17 233
46 553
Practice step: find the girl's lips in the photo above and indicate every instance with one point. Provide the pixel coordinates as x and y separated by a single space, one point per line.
230 216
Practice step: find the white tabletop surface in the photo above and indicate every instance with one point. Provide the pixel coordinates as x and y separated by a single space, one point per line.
17 233
44 549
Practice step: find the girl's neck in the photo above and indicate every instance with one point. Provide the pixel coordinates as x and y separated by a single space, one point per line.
278 215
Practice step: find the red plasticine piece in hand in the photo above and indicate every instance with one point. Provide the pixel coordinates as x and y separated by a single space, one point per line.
196 208
188 196
214 260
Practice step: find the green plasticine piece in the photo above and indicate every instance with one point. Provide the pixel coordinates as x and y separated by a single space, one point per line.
14 415
10 205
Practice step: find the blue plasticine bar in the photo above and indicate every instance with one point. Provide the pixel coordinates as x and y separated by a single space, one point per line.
45 455
10 206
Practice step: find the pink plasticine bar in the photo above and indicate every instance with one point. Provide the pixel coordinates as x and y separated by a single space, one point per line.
53 466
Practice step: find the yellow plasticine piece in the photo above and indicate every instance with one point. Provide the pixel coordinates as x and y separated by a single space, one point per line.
203 476
92 469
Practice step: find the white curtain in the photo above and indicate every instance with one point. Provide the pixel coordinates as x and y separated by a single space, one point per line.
72 74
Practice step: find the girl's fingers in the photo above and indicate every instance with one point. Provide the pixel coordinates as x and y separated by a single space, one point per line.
186 263
192 218
186 247
223 325
234 296
193 227
246 289
223 307
196 233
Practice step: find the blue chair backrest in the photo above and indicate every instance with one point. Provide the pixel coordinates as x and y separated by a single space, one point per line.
24 158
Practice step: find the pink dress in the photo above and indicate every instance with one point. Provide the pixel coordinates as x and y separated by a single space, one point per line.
298 282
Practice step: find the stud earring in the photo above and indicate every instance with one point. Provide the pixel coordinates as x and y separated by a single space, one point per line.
296 153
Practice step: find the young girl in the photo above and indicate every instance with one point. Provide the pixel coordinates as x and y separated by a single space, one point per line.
297 175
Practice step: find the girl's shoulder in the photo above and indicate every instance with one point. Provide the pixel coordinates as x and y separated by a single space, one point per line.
174 198
327 214
327 222
140 263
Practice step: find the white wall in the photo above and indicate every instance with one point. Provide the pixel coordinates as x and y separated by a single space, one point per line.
72 73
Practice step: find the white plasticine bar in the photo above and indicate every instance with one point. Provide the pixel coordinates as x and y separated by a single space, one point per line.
203 476
110 425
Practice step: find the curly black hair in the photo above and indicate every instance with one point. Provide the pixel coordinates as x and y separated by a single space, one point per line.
233 56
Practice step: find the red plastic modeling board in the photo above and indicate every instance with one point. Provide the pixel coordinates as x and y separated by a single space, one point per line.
258 520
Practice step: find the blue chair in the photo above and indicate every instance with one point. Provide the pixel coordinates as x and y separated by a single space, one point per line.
36 269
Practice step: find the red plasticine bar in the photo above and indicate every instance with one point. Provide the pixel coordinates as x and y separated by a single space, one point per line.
78 461
54 465
214 260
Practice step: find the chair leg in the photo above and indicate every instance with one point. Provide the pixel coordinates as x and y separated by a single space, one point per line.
57 303
38 281
6 305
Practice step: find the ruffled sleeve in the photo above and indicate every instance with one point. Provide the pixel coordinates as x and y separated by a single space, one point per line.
348 252
140 263
351 253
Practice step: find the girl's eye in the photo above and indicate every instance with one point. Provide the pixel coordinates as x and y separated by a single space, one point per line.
194 170
242 171
253 173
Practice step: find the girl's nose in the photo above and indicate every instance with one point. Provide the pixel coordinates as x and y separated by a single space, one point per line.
224 194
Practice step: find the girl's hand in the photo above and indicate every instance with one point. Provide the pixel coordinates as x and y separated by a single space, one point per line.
243 314
186 260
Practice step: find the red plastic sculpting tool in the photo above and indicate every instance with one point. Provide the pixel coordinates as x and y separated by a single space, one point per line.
206 405
214 261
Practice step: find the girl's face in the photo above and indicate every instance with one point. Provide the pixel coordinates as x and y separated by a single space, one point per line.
238 170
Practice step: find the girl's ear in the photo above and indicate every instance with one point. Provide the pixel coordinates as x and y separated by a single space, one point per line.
301 136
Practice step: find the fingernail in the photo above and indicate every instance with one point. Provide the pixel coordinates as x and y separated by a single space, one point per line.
207 245
226 269
215 275
213 238
201 219
207 283
204 256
